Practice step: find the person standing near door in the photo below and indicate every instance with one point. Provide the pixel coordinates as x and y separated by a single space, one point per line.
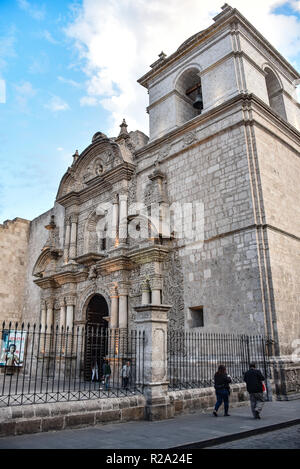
125 374
106 373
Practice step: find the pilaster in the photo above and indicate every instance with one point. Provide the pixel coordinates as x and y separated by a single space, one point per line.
153 319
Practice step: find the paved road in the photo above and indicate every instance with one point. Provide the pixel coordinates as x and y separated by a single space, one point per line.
286 438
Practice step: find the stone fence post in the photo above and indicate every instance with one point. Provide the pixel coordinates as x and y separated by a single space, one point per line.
153 319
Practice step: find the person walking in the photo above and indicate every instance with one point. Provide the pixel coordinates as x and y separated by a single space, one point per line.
125 374
254 381
222 381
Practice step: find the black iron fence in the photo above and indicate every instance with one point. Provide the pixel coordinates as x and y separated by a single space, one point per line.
39 365
193 357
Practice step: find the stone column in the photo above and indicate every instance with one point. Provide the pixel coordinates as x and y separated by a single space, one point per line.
43 316
62 316
153 320
70 339
145 292
114 307
123 218
67 241
115 219
123 307
70 302
47 341
73 240
156 288
49 315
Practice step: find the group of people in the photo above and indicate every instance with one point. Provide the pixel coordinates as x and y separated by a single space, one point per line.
254 380
253 377
125 373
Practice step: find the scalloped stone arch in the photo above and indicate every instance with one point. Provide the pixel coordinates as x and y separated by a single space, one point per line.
107 151
42 261
87 295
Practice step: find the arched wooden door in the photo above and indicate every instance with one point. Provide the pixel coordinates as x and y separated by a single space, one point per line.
96 335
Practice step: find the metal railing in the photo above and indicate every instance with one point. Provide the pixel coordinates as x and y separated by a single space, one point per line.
39 366
194 357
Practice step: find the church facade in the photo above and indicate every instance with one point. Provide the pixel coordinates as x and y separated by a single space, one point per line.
203 215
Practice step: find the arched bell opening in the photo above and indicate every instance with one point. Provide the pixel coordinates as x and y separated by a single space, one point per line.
189 95
96 343
275 93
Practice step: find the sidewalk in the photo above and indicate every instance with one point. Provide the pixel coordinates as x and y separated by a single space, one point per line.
182 431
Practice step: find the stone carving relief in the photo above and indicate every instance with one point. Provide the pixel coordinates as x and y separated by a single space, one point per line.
189 138
173 290
92 273
293 380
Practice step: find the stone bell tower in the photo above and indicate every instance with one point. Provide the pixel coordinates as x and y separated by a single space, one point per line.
220 62
224 125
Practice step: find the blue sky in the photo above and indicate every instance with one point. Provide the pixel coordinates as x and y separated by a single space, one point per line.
70 69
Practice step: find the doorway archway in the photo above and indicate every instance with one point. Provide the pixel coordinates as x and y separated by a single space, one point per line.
96 342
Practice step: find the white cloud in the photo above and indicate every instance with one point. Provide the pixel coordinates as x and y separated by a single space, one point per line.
295 5
116 42
36 12
24 92
89 101
57 104
48 36
7 47
39 64
68 81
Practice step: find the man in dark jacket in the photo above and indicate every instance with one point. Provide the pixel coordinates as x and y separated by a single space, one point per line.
254 380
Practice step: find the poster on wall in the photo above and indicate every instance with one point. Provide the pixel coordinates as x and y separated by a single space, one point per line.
12 348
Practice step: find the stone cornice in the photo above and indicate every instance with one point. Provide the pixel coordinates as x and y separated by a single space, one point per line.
57 280
114 264
243 99
89 258
149 254
166 96
98 185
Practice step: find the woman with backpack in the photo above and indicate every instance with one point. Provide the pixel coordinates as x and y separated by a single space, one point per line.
222 381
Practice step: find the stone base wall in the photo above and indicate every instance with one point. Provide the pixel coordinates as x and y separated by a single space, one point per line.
191 400
36 418
17 420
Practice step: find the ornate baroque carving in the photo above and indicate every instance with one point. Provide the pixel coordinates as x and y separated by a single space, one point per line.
173 290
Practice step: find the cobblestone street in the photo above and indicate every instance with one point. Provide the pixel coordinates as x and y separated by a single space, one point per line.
286 438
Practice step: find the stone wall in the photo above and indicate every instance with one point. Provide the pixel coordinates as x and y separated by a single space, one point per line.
14 236
279 169
36 418
208 164
37 238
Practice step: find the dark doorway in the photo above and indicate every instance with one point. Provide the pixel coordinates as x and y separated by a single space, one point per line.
96 337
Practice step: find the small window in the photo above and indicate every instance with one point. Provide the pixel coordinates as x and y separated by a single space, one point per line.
197 319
